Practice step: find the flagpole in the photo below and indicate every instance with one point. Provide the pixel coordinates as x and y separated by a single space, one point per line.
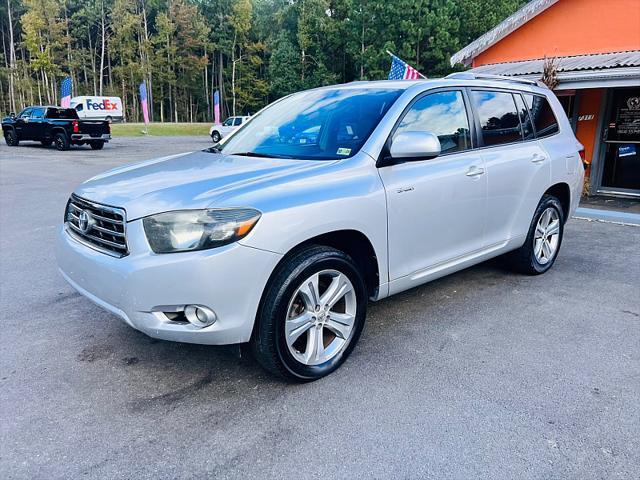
390 53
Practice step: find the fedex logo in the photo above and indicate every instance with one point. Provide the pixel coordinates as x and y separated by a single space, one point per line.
106 104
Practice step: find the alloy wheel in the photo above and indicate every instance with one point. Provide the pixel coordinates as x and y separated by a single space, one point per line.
320 317
547 236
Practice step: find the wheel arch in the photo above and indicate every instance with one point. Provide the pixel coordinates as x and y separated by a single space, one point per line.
562 192
352 242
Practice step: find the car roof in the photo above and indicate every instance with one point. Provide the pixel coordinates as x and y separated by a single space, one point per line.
426 84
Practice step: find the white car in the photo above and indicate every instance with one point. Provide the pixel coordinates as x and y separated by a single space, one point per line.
280 242
231 124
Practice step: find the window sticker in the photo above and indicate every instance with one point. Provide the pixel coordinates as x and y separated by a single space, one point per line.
344 151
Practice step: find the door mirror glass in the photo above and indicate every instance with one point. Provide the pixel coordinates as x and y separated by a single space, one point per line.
12 114
415 146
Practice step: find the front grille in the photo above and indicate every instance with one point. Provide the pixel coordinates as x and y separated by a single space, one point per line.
100 227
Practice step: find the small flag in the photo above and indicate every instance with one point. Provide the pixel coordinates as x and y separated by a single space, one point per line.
216 107
143 103
401 70
65 93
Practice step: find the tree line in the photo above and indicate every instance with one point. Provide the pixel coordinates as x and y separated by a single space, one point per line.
252 51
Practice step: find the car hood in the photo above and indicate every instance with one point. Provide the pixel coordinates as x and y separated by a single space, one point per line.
187 181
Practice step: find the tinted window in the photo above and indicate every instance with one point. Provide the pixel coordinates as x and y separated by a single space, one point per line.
443 114
543 117
237 121
498 117
62 113
525 119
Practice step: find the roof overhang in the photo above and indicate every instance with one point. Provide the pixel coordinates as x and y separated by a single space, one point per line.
504 28
616 69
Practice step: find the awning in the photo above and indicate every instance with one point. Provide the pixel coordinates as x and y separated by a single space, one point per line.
616 69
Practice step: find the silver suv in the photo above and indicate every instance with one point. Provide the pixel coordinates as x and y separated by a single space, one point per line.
322 201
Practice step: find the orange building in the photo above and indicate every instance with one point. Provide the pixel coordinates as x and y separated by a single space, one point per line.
595 47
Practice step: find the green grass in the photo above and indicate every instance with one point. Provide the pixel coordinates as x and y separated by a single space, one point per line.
159 129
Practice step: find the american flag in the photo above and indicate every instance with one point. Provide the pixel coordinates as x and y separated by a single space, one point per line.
401 70
65 93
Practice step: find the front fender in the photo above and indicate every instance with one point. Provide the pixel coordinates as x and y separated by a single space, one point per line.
349 196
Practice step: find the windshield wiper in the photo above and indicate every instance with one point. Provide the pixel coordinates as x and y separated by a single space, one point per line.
215 149
256 154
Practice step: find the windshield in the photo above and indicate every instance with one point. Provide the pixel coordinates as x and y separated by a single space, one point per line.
314 125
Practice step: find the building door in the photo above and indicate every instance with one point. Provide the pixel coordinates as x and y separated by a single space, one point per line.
621 167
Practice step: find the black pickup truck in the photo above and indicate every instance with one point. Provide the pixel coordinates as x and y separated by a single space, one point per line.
56 125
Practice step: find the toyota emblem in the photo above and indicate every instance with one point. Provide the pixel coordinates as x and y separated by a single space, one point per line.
85 221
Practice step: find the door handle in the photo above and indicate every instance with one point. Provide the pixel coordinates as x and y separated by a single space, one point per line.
475 171
537 158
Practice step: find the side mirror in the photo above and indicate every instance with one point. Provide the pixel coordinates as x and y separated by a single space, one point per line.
408 146
12 114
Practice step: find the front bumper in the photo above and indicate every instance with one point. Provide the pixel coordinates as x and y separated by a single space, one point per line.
139 287
85 137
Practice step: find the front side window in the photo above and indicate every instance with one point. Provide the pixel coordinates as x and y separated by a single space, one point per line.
323 124
228 122
26 113
498 117
444 115
79 107
544 119
237 121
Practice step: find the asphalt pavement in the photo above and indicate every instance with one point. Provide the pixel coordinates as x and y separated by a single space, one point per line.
485 374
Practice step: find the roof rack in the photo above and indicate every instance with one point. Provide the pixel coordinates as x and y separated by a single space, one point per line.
484 76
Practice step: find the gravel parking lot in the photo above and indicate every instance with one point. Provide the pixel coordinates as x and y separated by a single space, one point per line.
483 374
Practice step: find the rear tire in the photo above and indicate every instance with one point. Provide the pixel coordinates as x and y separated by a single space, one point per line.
540 250
216 137
61 141
326 334
11 137
96 145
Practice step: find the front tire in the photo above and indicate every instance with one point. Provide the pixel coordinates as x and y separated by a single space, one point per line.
61 141
540 250
11 137
311 315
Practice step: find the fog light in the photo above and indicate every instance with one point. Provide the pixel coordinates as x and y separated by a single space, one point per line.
200 316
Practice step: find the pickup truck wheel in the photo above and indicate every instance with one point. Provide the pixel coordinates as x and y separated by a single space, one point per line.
96 145
542 245
61 141
311 316
216 137
11 138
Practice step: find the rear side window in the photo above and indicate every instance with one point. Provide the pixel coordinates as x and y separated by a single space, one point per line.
525 118
443 114
37 113
498 117
542 114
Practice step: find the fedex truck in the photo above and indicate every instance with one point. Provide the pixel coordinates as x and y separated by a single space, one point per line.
98 108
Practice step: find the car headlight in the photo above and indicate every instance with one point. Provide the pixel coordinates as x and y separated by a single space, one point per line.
189 230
